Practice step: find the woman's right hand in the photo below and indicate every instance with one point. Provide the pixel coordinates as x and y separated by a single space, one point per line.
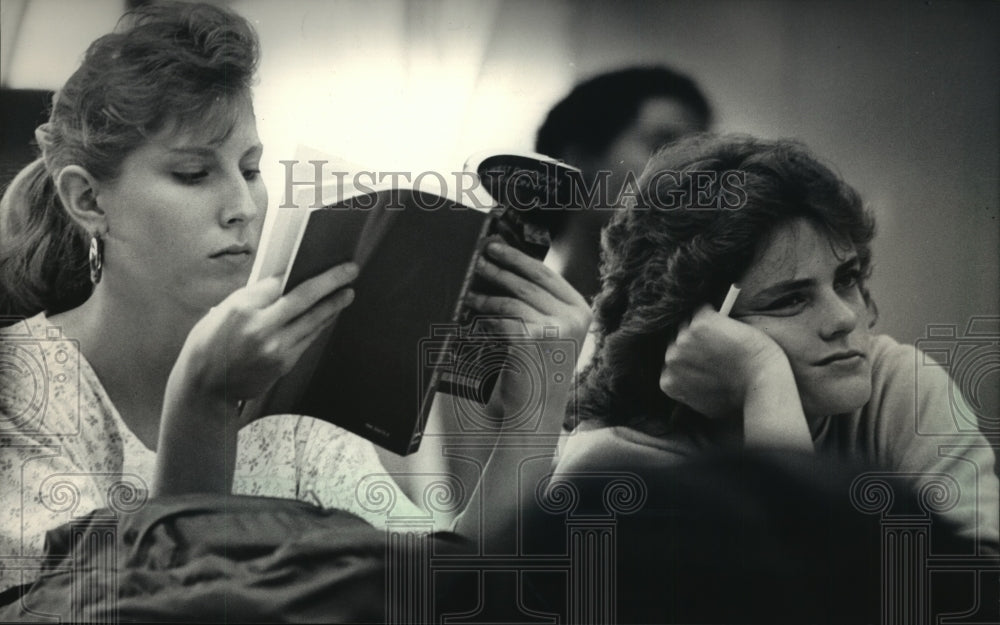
236 352
722 367
256 335
715 361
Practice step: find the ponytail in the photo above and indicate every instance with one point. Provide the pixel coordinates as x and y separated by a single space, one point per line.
43 254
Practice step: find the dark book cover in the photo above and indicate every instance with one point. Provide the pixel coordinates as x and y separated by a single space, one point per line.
365 373
406 336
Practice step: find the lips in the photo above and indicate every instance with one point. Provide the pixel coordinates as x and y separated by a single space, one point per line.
847 355
233 250
235 257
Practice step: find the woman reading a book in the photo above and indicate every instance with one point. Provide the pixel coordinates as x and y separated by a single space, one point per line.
125 250
794 363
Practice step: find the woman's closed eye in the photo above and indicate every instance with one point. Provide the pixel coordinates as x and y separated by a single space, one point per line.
190 177
195 177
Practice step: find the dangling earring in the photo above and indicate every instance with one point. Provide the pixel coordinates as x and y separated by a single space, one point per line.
96 258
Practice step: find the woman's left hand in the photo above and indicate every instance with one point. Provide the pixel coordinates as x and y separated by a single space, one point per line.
533 299
537 308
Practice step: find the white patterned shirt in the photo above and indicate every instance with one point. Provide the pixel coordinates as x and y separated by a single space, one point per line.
65 451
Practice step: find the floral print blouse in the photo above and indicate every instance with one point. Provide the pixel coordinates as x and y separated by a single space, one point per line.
65 451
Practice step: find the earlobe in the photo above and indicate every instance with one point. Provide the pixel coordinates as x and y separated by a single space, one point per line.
77 190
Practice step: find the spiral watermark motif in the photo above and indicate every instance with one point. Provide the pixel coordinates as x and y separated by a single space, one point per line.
939 494
58 493
871 494
875 492
625 494
376 494
557 497
443 495
126 497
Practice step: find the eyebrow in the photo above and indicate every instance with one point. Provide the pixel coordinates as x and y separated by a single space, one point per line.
784 287
197 150
794 285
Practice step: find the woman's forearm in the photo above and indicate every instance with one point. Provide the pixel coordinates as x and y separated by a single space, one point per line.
509 481
196 450
519 460
772 410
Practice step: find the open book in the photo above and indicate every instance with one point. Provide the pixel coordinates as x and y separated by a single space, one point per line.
406 335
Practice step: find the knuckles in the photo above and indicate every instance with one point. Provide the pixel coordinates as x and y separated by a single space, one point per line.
667 380
270 351
522 291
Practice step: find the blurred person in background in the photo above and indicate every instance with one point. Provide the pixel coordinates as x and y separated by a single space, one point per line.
609 126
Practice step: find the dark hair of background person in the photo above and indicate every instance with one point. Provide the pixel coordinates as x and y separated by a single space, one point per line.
597 110
608 126
168 64
659 265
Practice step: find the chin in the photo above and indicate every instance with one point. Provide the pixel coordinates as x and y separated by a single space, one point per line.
846 397
213 294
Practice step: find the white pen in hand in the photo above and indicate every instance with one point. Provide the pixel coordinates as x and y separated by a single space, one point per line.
727 304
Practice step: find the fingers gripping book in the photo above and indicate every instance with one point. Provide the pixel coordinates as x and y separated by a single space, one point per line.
406 335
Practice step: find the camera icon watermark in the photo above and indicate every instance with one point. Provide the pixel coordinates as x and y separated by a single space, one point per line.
972 361
41 364
465 362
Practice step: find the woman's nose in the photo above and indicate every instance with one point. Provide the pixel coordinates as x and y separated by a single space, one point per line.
840 316
240 204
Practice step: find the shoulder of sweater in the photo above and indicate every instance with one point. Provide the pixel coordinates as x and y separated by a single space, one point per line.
618 447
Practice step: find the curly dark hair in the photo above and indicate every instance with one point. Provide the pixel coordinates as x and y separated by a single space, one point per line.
661 262
185 65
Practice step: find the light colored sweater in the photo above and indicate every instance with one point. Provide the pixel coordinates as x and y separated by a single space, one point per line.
916 423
